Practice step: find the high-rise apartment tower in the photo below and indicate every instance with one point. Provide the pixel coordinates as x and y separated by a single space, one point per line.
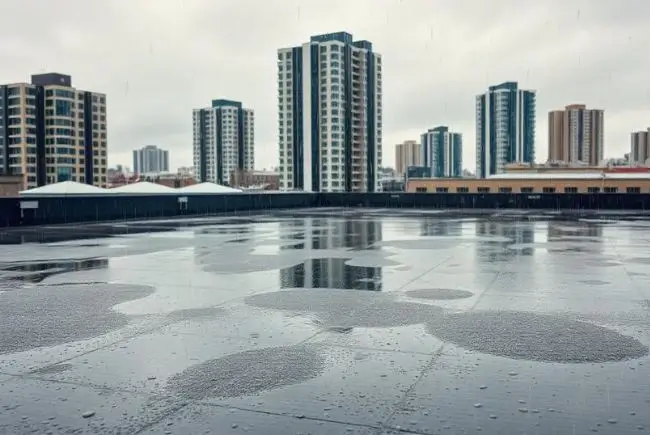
407 154
575 135
442 151
640 148
224 140
329 115
52 132
505 128
150 159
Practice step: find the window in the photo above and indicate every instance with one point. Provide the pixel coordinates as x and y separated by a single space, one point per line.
421 189
611 189
505 189
633 190
527 190
483 190
570 190
462 190
442 189
548 189
593 189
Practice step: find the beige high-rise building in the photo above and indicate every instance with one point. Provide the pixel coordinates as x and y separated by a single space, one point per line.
407 154
640 148
576 135
52 132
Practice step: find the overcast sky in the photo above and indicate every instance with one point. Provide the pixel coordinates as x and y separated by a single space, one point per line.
158 59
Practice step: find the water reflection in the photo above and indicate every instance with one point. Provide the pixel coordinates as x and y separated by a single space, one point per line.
37 272
351 234
519 233
440 228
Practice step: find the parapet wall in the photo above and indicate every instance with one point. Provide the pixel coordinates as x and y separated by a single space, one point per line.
58 210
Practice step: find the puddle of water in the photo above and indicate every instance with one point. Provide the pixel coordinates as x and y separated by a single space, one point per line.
331 273
38 271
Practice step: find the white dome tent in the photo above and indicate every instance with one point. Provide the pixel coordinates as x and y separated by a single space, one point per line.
64 188
207 189
142 188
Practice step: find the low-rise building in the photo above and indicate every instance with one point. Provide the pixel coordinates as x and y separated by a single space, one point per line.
262 180
11 185
614 180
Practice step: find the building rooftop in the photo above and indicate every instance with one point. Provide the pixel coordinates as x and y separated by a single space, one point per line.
571 175
327 321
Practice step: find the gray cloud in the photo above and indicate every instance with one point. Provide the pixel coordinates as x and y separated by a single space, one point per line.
159 60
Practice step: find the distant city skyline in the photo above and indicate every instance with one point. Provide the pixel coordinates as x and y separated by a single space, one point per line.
595 68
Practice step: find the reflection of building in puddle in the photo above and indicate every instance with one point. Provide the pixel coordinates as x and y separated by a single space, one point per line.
332 234
490 251
331 273
576 237
440 228
322 234
38 271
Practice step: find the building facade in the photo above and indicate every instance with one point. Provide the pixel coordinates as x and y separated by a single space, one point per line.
223 140
640 148
52 132
259 180
576 135
505 128
594 180
330 115
407 154
442 152
150 159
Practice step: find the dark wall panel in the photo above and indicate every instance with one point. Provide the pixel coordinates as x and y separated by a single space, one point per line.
115 208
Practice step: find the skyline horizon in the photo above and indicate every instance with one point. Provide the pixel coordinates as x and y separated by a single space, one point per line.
157 67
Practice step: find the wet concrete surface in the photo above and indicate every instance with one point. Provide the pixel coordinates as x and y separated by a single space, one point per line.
328 321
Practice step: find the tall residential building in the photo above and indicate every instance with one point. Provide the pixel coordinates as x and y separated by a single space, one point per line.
407 154
505 128
52 132
330 115
224 140
640 148
150 159
442 152
575 135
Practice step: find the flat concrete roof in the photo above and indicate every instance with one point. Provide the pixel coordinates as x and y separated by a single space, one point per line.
328 321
